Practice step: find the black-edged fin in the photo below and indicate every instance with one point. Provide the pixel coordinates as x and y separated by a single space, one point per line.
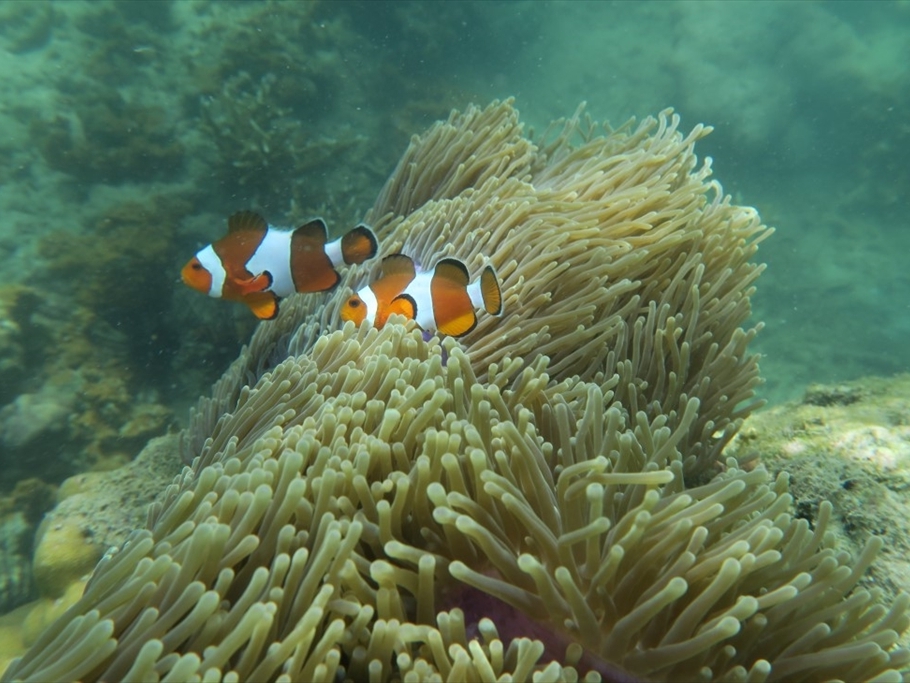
314 230
490 291
453 309
263 305
358 245
312 269
460 325
453 270
398 264
404 304
247 220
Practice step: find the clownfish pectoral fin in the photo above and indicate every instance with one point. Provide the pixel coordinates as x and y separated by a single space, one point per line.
490 292
358 245
255 285
263 305
246 220
404 304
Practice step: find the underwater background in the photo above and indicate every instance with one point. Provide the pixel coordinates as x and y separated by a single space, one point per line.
129 131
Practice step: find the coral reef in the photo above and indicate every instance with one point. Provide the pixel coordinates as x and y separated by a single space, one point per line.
97 511
259 142
20 513
848 444
268 105
109 140
377 505
35 420
32 498
131 247
16 581
64 553
287 111
20 628
16 302
35 431
87 345
77 419
26 26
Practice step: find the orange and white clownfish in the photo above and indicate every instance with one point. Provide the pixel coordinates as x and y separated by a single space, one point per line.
443 299
259 264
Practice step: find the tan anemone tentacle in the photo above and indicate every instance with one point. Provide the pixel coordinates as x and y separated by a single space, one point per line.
543 499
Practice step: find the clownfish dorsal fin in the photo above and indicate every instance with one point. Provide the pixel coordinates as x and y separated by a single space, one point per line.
358 245
264 305
398 264
247 220
314 230
453 270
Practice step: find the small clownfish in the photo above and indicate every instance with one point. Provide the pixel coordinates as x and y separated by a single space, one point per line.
259 264
443 299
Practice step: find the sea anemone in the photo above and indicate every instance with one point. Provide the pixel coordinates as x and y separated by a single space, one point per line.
373 505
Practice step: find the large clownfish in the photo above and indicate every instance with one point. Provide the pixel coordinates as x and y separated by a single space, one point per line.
259 264
443 299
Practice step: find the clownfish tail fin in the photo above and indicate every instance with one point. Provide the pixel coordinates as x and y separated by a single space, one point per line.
359 245
486 292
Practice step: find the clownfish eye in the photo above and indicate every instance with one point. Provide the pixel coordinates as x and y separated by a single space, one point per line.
353 303
197 266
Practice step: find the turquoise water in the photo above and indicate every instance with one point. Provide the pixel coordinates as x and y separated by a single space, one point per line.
130 131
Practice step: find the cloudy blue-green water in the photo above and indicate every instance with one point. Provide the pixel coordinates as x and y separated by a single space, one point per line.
129 131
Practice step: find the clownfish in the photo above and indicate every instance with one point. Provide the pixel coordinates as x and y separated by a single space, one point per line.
259 264
443 299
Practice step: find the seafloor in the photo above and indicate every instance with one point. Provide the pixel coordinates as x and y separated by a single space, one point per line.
129 131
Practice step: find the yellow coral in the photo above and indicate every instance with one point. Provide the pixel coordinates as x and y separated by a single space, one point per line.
20 628
64 553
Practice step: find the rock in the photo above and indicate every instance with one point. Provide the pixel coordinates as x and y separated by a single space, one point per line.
849 444
34 416
145 421
18 336
98 510
16 584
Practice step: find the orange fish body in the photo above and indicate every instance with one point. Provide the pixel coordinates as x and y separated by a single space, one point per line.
441 300
259 264
372 303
